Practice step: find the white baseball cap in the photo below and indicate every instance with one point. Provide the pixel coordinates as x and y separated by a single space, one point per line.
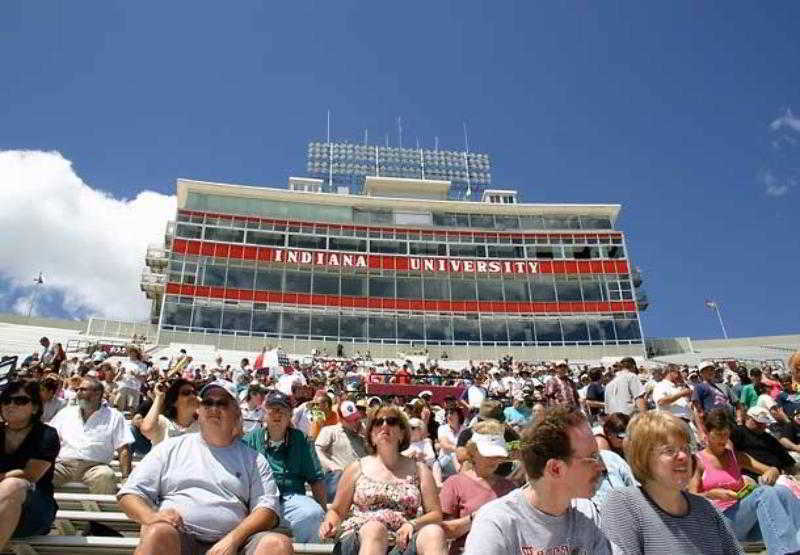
705 364
760 415
490 445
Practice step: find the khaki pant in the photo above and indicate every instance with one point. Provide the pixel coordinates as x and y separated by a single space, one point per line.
98 476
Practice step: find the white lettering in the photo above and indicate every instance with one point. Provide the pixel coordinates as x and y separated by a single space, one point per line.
305 257
292 257
347 260
481 266
494 266
320 261
361 261
333 260
507 267
455 265
520 267
441 267
427 265
415 264
279 255
469 265
533 267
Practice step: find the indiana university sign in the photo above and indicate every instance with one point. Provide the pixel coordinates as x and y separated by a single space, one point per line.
455 265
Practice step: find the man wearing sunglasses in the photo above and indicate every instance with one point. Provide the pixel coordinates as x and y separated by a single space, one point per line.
206 492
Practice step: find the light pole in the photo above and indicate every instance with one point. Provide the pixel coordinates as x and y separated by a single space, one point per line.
714 305
38 281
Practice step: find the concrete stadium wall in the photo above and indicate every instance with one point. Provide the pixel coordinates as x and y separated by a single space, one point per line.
19 320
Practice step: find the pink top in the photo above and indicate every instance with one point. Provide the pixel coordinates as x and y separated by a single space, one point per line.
727 477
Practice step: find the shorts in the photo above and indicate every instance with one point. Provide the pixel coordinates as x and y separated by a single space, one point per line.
37 516
192 546
350 544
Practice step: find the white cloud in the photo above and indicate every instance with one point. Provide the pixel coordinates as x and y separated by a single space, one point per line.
788 119
775 187
777 190
88 245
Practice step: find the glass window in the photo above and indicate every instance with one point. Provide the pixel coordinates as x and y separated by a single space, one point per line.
568 289
531 222
298 282
308 242
266 238
436 288
409 288
382 327
269 280
177 315
554 222
471 251
428 249
588 222
224 234
208 317
494 331
601 330
627 329
295 323
615 252
521 330
542 288
234 319
388 247
541 252
410 328
592 289
575 330
506 251
490 290
352 326
481 220
354 285
506 222
326 284
266 322
578 253
241 278
516 290
341 244
463 289
325 324
214 276
439 329
381 287
547 331
466 329
189 231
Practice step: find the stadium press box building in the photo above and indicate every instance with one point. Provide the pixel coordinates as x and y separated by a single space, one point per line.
393 250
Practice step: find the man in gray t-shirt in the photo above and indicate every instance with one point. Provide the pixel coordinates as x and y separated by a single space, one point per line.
625 392
206 490
552 514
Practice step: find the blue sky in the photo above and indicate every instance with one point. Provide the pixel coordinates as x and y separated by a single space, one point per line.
680 111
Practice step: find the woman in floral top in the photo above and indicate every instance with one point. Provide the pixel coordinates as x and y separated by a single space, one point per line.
382 496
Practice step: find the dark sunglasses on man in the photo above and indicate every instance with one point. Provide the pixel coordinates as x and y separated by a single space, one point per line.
18 400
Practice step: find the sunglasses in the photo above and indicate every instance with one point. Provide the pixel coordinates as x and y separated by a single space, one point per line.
211 403
19 400
390 420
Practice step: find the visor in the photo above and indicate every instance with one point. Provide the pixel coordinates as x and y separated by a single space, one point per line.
490 445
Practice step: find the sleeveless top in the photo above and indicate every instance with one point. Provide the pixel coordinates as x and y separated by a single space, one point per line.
391 503
727 477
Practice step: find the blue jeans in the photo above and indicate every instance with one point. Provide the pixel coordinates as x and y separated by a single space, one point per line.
775 510
303 515
332 478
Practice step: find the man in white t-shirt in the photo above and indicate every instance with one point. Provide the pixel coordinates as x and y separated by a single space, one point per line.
672 395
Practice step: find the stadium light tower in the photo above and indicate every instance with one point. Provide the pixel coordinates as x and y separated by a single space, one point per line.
38 281
714 305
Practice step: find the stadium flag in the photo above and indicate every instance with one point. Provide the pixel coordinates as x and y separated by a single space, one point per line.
711 304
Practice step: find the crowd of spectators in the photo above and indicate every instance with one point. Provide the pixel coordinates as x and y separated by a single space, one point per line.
521 457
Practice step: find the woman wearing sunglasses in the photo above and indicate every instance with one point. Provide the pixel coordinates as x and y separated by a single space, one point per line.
379 496
28 450
173 413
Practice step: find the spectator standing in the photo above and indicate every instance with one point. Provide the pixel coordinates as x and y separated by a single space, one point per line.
338 446
28 450
707 396
48 352
90 433
561 390
595 396
59 356
562 464
625 393
206 491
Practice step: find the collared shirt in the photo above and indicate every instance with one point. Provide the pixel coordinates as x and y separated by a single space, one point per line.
104 432
622 392
679 407
293 461
340 445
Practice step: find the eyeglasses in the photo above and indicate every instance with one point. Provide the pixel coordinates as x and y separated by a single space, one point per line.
671 451
390 420
187 392
19 400
594 458
211 403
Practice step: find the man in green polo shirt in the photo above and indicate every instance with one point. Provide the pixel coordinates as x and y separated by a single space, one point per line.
294 463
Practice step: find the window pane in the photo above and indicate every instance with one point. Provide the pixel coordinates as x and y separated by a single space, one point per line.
554 222
574 330
354 286
307 242
388 247
521 330
436 289
177 315
382 327
410 328
439 329
516 290
592 291
541 252
481 220
531 222
266 238
298 282
236 320
490 290
409 288
494 330
266 322
615 252
568 289
465 329
463 289
542 288
352 326
295 323
269 280
324 324
189 231
214 275
547 330
241 278
381 287
627 329
506 222
471 251
505 251
326 284
341 244
428 249
207 317
224 234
